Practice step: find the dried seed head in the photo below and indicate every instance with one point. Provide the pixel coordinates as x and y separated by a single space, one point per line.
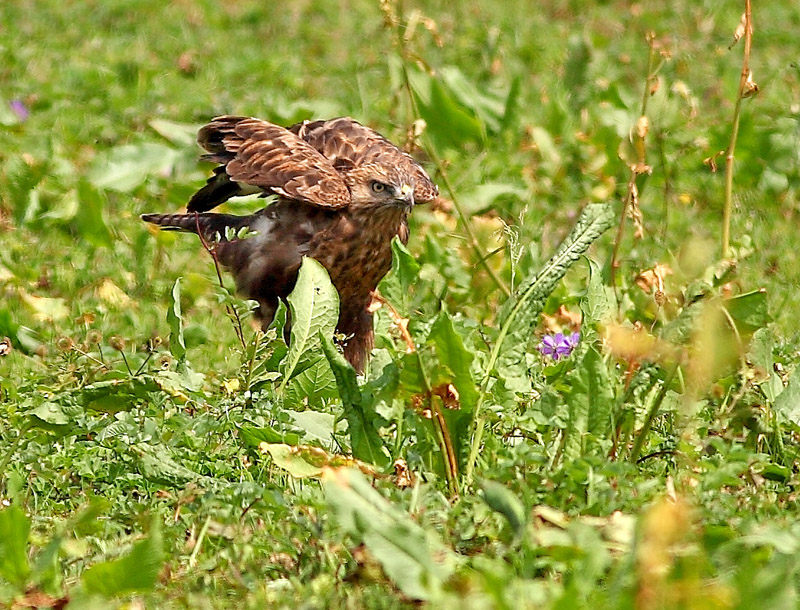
117 343
65 344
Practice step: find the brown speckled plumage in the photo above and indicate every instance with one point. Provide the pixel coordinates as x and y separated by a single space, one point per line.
343 191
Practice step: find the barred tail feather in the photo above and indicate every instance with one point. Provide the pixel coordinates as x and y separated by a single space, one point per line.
210 226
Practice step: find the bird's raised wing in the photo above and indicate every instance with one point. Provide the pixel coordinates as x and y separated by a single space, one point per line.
346 144
259 154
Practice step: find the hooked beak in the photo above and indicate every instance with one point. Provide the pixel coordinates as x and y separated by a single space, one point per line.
407 194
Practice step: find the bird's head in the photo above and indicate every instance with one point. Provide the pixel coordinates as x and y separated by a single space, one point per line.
374 185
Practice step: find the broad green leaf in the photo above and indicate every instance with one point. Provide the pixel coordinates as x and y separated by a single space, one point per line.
316 425
523 309
448 121
501 500
180 383
415 559
255 435
177 345
456 358
365 441
482 198
89 216
182 134
46 309
787 404
749 311
452 366
14 530
590 400
136 572
126 167
52 417
314 385
396 285
22 337
116 395
157 464
314 305
598 304
300 462
486 104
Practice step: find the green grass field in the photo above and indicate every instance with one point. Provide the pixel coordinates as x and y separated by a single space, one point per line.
149 458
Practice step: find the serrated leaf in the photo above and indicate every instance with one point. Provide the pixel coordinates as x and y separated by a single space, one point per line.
314 306
599 303
136 572
365 441
415 559
522 314
177 344
590 401
14 530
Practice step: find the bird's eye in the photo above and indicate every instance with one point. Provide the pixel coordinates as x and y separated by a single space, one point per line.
377 187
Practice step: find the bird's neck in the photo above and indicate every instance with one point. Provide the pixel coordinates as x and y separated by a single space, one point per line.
386 221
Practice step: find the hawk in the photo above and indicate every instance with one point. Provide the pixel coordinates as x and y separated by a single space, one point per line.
343 192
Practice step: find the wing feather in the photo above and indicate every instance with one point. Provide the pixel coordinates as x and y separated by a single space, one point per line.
260 154
346 144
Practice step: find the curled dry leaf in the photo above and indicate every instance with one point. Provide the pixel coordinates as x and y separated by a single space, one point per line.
449 395
561 318
653 279
403 477
740 30
750 87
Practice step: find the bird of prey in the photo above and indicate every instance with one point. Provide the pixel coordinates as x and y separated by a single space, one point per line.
343 192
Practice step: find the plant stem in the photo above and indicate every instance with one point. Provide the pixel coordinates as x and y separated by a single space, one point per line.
472 240
729 153
635 169
651 414
14 445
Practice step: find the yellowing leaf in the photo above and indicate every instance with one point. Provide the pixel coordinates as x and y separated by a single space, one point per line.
45 309
110 293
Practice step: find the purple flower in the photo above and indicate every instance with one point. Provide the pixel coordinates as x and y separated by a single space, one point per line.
18 107
559 345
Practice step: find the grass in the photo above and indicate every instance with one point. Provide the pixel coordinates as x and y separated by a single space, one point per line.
655 467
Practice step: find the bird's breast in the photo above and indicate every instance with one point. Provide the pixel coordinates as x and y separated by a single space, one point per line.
357 252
